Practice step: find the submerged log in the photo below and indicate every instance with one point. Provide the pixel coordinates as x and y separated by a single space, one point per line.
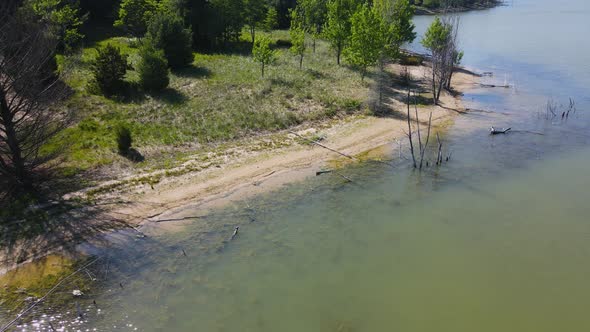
494 131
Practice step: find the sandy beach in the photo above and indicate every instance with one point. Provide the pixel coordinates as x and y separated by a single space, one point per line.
243 177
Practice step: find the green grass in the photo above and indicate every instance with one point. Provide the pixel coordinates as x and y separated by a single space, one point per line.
222 97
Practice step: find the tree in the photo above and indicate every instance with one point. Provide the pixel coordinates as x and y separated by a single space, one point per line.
62 18
262 53
152 68
441 40
167 32
298 43
134 15
253 11
271 21
109 69
313 14
29 95
367 39
337 28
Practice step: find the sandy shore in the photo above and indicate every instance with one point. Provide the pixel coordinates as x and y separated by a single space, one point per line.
239 172
263 171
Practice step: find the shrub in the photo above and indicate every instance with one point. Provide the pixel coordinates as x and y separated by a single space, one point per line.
152 68
124 139
411 60
109 69
167 32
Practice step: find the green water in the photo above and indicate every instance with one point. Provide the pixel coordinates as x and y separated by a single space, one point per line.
498 239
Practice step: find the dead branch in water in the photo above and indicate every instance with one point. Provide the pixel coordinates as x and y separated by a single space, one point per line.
409 134
439 157
334 150
423 149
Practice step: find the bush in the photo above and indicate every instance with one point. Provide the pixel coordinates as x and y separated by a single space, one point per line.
411 60
152 68
124 139
167 32
109 69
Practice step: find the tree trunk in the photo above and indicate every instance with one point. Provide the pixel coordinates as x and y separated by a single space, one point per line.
263 69
449 80
338 52
18 164
313 44
301 62
253 33
434 99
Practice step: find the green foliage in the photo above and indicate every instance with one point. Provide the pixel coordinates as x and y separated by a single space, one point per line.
367 40
271 21
262 53
124 139
63 18
253 13
436 36
134 15
109 69
167 32
403 12
313 14
152 68
337 27
298 43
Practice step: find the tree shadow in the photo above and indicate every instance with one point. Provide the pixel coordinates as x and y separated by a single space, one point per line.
316 74
240 47
134 155
170 96
192 72
53 225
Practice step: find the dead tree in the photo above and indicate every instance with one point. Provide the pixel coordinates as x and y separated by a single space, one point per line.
422 148
29 92
410 132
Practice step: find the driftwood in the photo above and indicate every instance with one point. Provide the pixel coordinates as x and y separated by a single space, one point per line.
236 230
332 171
334 150
494 131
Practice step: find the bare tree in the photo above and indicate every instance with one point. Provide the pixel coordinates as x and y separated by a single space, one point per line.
29 92
442 41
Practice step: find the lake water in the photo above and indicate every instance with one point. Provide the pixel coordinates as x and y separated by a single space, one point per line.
498 239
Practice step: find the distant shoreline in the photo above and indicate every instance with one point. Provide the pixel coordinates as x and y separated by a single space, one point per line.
423 11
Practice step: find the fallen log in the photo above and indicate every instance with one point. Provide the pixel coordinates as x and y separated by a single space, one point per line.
494 131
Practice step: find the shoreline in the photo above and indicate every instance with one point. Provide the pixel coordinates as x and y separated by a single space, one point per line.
236 176
419 10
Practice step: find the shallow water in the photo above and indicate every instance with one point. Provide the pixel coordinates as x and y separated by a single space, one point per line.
498 239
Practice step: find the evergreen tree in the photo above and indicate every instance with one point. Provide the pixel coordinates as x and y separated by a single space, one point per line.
152 68
271 21
167 32
109 69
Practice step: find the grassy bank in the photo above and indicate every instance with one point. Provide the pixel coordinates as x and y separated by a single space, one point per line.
220 98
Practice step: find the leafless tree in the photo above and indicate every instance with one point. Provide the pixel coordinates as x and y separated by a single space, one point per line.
29 93
445 55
